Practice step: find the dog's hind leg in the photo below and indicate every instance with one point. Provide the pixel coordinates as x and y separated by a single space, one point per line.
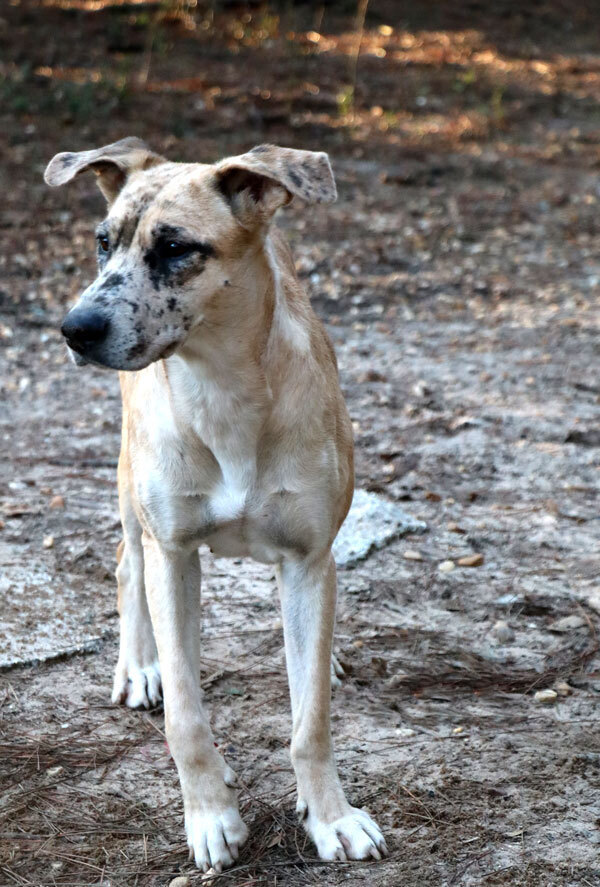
308 592
137 675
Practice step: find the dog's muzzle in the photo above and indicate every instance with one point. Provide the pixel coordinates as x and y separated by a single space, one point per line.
84 329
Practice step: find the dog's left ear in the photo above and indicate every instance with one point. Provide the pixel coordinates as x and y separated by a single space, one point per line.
111 163
256 184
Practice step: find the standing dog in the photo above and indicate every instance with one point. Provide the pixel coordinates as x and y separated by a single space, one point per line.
235 434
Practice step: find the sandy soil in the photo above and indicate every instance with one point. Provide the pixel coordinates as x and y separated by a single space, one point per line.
458 277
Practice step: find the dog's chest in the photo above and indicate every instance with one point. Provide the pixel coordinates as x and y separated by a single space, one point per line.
210 480
225 505
240 516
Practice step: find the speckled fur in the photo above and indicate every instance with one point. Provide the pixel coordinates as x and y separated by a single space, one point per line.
235 434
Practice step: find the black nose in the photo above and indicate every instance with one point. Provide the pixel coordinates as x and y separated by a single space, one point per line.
82 327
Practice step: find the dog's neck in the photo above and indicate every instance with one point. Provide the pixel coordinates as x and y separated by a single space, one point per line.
218 381
226 348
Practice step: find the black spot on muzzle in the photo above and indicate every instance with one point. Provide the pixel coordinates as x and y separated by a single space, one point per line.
113 281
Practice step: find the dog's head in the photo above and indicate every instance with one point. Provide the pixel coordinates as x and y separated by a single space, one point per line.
173 234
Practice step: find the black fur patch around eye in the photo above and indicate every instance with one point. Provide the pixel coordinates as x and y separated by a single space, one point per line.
176 270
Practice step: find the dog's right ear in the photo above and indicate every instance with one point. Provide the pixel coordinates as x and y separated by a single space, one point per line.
112 164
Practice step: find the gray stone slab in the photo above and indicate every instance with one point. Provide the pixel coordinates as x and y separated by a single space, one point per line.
41 614
371 523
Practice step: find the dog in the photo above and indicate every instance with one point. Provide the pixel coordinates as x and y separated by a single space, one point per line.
236 435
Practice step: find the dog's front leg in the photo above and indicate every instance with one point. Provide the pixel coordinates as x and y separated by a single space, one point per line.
308 593
214 828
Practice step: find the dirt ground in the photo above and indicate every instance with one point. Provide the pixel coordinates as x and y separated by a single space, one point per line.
458 277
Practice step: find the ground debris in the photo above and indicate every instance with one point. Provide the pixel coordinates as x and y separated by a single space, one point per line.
446 566
567 623
502 631
470 560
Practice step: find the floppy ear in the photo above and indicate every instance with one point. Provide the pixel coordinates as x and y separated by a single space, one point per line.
112 164
256 184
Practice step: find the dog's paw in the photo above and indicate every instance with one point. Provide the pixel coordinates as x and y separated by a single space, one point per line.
215 839
352 836
337 671
137 686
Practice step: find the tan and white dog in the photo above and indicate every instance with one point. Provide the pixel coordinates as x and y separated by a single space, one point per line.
235 434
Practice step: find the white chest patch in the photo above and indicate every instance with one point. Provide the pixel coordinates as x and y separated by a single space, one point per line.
228 503
228 500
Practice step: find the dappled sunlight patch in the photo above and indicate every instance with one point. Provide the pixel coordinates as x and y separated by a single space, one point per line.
97 5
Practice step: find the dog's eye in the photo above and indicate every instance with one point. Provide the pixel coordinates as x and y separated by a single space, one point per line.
104 243
173 249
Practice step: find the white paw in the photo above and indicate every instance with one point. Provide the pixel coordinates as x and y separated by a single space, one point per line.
215 839
137 686
337 672
353 836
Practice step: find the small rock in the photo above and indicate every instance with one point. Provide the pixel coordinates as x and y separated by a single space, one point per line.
405 731
54 771
567 623
502 631
374 376
395 681
563 689
48 542
454 527
470 560
57 502
180 881
446 566
412 555
420 389
546 697
508 600
371 523
593 600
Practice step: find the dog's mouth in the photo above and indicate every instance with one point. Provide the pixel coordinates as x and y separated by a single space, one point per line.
82 356
168 351
76 355
81 360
